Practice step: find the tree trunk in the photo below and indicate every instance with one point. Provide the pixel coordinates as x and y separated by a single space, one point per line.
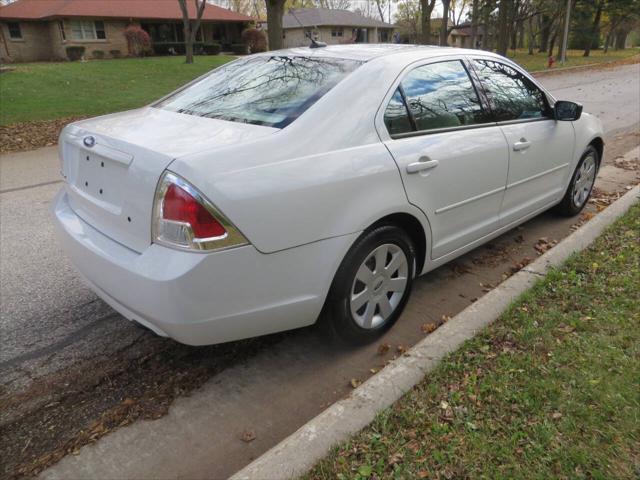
532 37
552 43
444 28
545 32
607 42
188 46
191 29
621 39
275 10
503 28
426 8
474 22
594 29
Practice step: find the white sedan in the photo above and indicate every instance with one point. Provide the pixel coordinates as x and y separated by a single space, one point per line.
313 183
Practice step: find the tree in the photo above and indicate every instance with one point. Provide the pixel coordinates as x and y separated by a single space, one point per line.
594 33
503 26
191 27
275 10
444 27
426 9
475 14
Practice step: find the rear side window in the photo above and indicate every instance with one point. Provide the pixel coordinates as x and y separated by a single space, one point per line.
438 95
512 95
264 90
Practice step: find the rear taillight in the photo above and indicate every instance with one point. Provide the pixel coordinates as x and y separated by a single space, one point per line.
184 218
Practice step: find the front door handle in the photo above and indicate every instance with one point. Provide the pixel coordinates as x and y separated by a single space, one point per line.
422 165
523 144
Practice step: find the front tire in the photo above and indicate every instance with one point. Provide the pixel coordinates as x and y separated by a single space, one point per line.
581 184
372 285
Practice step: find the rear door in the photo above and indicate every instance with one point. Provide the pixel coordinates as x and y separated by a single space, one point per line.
540 148
452 157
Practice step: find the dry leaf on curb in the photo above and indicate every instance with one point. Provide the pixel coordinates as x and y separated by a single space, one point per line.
428 327
401 349
383 348
248 436
354 382
445 318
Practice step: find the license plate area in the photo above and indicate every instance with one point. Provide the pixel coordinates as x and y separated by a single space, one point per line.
100 178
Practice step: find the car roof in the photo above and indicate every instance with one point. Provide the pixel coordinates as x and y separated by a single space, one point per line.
368 51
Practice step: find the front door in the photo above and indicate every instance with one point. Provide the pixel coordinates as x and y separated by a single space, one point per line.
540 148
453 160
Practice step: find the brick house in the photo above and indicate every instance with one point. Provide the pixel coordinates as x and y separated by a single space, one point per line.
40 30
332 26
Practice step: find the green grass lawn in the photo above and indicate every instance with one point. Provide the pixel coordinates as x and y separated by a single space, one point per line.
538 61
550 390
44 91
47 91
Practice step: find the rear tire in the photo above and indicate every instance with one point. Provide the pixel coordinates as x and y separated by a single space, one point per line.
371 286
579 189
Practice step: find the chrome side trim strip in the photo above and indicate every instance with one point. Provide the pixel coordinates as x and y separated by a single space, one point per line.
538 175
469 200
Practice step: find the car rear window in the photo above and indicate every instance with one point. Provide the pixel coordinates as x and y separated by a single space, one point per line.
263 90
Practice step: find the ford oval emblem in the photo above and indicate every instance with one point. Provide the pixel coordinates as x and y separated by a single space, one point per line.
89 141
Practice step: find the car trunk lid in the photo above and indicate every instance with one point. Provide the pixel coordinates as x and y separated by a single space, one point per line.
112 164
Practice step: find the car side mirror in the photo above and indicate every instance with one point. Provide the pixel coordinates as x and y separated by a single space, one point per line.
567 111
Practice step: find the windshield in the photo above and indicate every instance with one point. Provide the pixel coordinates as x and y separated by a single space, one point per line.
264 90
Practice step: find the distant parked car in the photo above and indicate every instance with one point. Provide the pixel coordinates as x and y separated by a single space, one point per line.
313 183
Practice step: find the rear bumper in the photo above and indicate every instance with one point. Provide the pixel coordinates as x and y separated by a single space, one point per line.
197 298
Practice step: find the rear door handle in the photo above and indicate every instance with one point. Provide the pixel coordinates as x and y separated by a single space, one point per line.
523 144
422 165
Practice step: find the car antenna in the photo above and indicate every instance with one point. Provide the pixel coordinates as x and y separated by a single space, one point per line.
314 42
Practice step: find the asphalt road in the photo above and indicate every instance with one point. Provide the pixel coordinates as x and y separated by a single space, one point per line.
55 331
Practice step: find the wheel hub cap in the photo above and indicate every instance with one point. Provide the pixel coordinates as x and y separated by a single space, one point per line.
584 181
379 286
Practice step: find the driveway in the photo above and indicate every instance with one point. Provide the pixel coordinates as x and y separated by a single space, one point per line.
70 365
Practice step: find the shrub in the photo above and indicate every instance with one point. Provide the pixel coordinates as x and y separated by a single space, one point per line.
212 48
115 53
99 54
239 48
138 41
255 39
75 52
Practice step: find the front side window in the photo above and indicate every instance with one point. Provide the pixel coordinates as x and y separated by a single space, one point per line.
438 95
337 32
512 95
14 30
87 30
264 90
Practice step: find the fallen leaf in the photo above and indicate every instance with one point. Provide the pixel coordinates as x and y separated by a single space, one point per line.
401 349
383 348
355 383
127 402
428 327
556 415
423 474
395 458
248 436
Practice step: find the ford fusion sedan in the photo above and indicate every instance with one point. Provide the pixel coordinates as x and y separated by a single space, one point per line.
313 184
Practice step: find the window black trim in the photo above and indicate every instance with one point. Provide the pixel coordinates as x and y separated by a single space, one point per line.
433 131
412 119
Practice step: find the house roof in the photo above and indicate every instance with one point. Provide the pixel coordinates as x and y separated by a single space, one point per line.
315 17
139 9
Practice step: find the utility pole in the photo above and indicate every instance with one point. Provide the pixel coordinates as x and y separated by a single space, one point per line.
565 38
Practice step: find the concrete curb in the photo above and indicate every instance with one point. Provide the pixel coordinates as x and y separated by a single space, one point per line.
299 452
